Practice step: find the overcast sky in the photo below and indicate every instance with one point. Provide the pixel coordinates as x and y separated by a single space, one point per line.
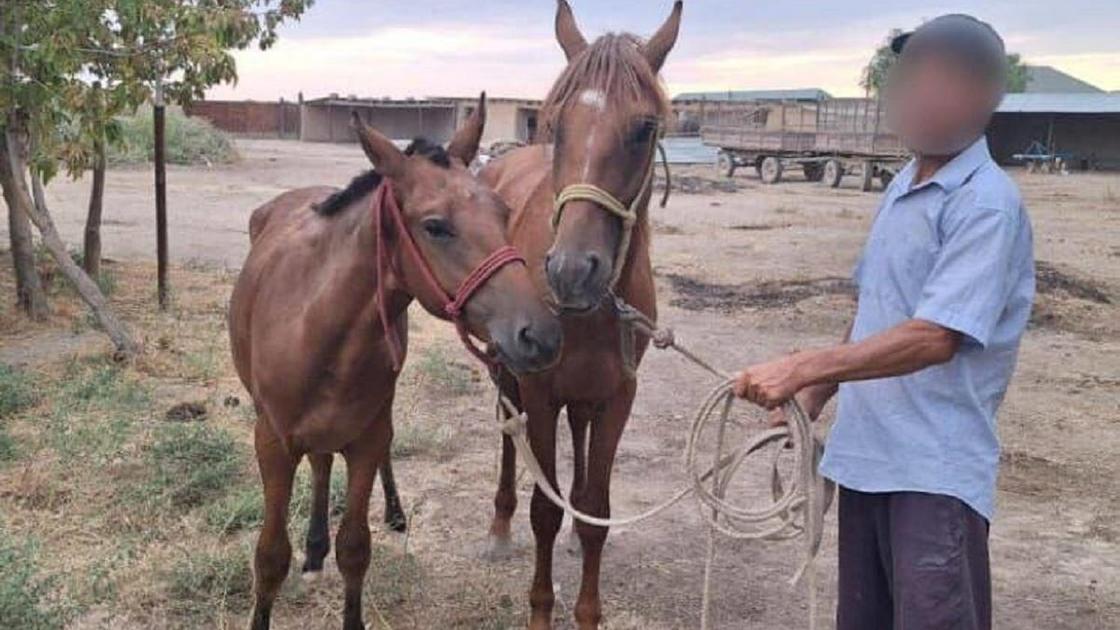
418 48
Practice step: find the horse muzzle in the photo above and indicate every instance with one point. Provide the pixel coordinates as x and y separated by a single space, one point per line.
526 344
579 280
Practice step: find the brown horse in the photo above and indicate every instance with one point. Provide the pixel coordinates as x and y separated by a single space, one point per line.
604 114
318 327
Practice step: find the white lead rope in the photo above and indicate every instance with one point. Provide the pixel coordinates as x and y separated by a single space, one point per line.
798 507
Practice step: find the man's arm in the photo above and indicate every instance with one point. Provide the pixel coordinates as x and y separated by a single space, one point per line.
814 397
908 347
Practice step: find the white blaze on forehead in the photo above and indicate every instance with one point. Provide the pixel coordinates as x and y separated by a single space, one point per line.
593 98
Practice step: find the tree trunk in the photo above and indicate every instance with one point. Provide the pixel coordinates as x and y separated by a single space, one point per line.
36 209
31 298
91 250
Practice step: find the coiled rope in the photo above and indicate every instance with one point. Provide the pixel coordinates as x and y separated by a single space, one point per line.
798 506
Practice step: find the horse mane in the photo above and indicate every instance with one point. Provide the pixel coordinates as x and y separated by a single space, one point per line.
615 65
368 181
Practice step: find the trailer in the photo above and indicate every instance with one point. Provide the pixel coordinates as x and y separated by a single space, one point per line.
826 140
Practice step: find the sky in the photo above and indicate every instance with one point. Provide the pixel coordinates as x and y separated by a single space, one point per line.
417 48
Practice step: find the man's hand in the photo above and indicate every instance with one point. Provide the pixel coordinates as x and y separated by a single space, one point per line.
812 401
770 384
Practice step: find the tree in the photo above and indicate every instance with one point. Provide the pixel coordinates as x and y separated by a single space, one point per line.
69 67
874 76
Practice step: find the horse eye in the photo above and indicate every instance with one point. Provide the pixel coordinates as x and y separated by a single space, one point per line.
642 132
438 228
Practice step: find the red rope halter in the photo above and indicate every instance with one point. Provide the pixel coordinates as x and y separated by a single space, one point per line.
384 201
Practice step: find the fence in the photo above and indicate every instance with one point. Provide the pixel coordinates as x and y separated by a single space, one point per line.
250 118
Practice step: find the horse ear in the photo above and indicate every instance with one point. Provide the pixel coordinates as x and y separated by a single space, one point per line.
464 145
567 32
658 46
386 157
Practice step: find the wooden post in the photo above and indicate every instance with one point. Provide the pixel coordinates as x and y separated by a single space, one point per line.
161 197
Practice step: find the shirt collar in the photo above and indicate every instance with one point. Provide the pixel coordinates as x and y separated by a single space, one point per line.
956 172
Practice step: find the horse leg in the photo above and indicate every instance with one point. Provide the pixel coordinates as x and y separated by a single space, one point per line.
394 513
352 544
545 517
499 544
274 550
318 543
579 415
606 431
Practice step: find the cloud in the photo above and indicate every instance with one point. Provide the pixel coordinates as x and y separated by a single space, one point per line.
397 61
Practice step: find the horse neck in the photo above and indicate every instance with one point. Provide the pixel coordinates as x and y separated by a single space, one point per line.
363 247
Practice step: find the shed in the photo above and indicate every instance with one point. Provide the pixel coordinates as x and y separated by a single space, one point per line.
1083 127
328 119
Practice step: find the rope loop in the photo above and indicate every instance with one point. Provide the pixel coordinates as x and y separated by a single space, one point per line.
797 506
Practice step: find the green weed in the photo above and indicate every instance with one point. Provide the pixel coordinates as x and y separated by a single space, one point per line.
203 584
16 392
94 410
244 509
27 600
188 465
190 141
415 437
446 376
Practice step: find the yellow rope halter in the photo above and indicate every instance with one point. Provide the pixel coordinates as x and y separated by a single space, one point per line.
607 201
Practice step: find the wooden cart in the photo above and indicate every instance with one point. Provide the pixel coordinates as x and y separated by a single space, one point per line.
826 140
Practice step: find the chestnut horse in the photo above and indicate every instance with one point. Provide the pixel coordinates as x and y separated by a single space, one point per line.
604 115
318 328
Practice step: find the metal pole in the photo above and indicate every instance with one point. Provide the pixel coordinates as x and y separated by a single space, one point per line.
161 197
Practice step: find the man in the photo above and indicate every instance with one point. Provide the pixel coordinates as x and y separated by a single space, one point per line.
946 282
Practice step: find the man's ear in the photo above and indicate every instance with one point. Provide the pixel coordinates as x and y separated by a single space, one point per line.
658 46
567 31
464 146
385 156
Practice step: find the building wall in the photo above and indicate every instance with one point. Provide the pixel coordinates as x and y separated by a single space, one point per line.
505 120
1094 140
249 117
331 123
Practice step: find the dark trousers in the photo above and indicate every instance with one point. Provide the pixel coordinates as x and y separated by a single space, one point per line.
912 561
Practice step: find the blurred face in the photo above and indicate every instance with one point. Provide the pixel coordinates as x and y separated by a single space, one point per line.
937 105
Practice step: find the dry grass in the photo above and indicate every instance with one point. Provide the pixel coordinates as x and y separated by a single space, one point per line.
123 518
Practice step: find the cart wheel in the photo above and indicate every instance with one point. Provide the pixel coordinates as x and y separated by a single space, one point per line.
833 173
814 172
771 171
758 166
868 173
886 176
725 164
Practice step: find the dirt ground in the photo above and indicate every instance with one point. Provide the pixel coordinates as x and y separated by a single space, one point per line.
742 276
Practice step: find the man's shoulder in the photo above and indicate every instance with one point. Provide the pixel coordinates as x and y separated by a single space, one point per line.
989 188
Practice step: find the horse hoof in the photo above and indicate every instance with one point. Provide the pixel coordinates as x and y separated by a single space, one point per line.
397 523
498 549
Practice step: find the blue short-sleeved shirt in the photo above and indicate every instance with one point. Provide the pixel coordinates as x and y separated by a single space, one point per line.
957 251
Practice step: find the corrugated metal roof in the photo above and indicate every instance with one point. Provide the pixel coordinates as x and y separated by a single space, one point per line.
807 94
1060 104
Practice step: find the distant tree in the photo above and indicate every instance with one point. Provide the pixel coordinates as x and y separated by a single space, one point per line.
69 67
1018 74
875 74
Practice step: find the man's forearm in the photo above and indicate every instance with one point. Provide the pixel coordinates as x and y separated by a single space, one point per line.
819 394
906 348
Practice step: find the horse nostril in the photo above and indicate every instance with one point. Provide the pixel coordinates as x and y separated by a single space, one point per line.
593 264
525 337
